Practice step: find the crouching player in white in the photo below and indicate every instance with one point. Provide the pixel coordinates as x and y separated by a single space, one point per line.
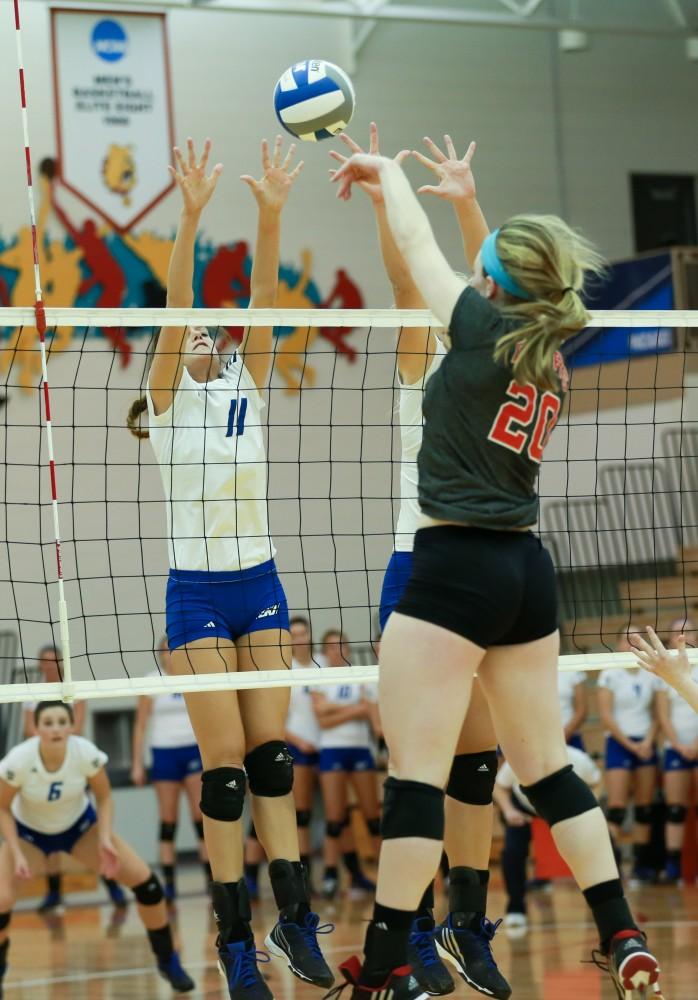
44 809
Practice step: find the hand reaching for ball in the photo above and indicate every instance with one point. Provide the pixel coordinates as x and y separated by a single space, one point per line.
191 179
372 188
272 189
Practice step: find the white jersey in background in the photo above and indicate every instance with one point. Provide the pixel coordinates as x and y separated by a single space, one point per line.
169 724
356 732
210 449
582 763
411 426
567 681
301 720
683 717
51 801
633 693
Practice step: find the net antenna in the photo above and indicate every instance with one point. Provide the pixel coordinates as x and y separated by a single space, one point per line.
39 318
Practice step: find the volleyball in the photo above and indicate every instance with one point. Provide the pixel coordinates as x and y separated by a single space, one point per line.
314 100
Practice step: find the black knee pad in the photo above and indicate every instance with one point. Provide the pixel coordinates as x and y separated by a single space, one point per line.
374 826
5 920
676 814
223 793
412 809
199 827
303 818
168 831
616 815
270 769
472 778
643 814
334 827
149 893
562 795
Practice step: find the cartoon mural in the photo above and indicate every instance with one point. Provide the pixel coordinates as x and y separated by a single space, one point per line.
93 266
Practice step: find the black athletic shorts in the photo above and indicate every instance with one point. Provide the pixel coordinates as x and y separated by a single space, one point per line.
496 588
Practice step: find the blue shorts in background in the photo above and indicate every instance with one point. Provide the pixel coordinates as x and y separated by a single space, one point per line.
394 582
620 759
50 843
576 741
175 763
303 759
202 605
347 759
673 761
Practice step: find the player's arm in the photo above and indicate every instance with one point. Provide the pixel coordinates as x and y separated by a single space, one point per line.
605 703
196 189
439 286
8 829
330 715
666 726
456 184
270 193
101 789
144 710
415 345
674 669
504 799
28 725
79 713
581 709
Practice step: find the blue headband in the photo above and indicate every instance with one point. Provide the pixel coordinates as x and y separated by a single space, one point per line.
494 267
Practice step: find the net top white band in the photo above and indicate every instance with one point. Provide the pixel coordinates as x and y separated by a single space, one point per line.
24 316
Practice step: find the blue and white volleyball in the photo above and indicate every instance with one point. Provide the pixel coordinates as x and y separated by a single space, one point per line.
314 100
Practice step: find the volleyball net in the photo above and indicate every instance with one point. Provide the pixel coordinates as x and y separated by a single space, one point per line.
618 488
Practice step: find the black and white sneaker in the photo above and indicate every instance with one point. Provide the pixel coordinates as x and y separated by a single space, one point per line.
399 984
471 954
298 944
633 969
427 968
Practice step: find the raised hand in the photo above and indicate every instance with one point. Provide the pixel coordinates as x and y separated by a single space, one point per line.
359 168
191 179
272 189
652 655
455 177
372 188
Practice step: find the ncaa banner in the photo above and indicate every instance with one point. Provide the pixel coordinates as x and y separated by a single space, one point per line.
113 110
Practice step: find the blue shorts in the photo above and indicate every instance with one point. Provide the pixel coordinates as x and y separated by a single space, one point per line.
394 582
673 761
576 741
175 763
347 759
620 759
202 605
303 759
50 843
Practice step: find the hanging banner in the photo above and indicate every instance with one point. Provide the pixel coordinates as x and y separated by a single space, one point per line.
113 110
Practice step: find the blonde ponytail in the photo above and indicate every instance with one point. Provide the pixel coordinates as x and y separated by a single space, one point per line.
548 259
133 422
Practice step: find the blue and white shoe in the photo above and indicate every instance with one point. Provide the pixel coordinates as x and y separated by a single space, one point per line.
427 968
172 971
238 965
52 903
471 954
298 945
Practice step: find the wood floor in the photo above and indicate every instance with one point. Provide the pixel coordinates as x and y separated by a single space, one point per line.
82 957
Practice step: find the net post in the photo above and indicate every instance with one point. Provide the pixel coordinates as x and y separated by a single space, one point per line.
67 687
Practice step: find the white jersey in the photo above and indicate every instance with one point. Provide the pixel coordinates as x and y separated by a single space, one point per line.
51 801
356 732
633 695
301 720
567 681
683 717
210 449
169 721
582 763
411 426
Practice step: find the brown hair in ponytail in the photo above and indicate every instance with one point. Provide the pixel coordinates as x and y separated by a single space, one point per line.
133 422
552 262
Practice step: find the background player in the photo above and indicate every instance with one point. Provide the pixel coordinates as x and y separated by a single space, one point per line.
482 592
573 693
176 768
226 608
44 809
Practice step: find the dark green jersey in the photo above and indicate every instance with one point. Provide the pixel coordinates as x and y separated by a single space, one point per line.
484 434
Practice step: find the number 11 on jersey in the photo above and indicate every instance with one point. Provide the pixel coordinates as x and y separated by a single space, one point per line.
236 426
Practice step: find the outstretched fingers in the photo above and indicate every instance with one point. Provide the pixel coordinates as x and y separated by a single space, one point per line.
348 141
438 155
373 139
191 155
294 173
425 161
266 158
180 161
205 155
289 156
278 143
450 148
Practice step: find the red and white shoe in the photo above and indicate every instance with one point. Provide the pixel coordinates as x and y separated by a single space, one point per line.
633 969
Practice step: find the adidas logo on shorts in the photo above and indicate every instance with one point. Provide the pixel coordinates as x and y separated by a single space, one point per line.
484 767
210 625
231 784
280 758
269 612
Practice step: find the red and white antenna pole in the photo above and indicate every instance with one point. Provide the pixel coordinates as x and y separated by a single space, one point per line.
67 686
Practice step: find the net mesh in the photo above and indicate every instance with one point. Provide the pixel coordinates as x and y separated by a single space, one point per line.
617 486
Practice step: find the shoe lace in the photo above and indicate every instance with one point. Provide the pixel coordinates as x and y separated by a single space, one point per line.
245 966
310 929
488 929
426 947
599 960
